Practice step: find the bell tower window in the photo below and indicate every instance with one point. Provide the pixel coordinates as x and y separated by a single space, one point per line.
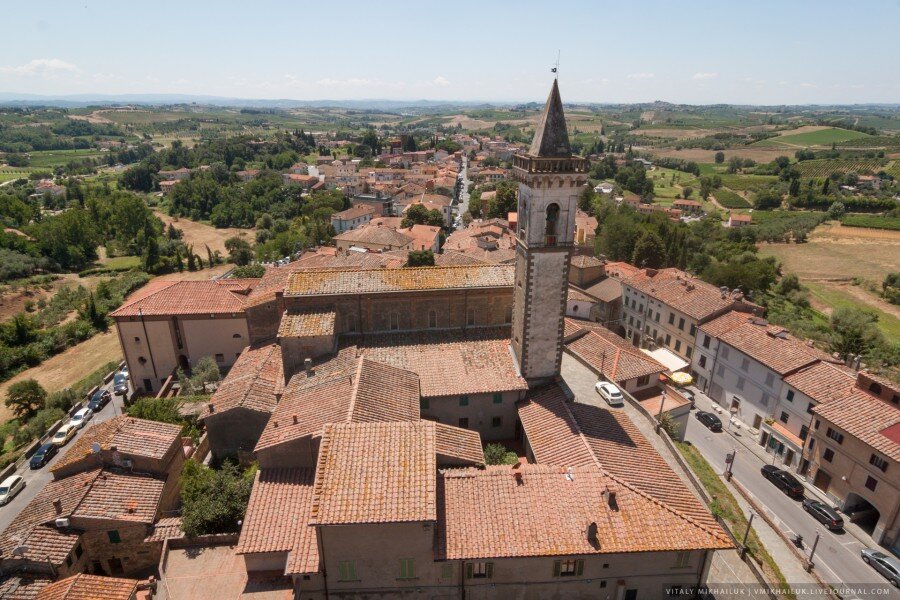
550 228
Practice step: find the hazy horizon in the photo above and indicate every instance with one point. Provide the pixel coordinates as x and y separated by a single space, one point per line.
703 52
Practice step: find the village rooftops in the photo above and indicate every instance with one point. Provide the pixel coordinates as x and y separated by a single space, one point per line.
254 382
307 323
376 473
867 418
823 382
277 519
681 291
354 212
341 281
121 497
606 290
126 435
374 234
611 355
186 298
90 587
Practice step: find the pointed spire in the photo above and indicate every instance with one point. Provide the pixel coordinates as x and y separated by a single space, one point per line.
551 139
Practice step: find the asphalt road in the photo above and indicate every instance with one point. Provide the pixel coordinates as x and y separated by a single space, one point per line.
837 558
463 204
35 480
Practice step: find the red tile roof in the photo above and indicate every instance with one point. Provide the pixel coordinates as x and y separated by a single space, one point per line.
612 355
354 212
866 418
122 497
681 291
23 586
306 323
607 290
90 587
546 510
823 382
375 473
582 261
184 298
252 383
374 234
363 281
551 429
277 519
165 529
455 445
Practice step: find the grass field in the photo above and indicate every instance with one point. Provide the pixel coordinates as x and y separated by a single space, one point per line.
833 296
729 199
819 137
873 221
743 183
122 262
57 158
825 167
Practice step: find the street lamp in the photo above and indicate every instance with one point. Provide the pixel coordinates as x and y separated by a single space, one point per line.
662 403
746 535
812 553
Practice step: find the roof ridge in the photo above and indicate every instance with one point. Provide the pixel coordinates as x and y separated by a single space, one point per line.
161 288
581 436
355 390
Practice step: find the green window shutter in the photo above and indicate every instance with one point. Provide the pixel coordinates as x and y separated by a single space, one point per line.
407 568
464 400
351 570
557 567
447 571
579 567
498 398
342 571
469 570
489 570
114 536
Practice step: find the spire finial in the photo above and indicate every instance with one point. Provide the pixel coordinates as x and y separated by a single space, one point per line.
555 69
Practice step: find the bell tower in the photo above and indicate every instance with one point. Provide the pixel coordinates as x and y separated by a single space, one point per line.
550 178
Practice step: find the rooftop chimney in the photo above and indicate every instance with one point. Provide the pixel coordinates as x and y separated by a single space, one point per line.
211 407
610 494
57 506
592 533
295 419
307 366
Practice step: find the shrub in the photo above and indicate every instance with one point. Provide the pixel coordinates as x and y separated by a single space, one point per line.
498 454
214 500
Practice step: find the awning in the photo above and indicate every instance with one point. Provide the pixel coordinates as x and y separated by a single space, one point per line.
668 359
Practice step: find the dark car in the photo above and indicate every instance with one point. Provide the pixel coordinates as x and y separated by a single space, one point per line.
43 455
824 514
710 420
99 400
783 480
120 384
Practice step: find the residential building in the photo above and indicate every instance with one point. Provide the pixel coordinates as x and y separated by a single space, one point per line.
353 217
691 207
585 228
175 175
372 237
424 237
736 220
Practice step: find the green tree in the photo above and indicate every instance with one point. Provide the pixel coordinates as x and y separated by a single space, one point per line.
504 202
420 258
687 191
720 158
214 501
836 210
25 397
498 454
853 331
586 198
649 251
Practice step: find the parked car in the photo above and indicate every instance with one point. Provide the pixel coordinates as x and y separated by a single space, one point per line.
688 395
824 514
43 455
610 393
99 400
887 565
120 384
124 371
710 420
783 480
11 486
81 418
65 433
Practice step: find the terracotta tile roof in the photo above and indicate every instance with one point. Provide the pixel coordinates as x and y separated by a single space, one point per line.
684 293
354 212
448 363
620 270
770 345
165 529
546 510
785 434
578 295
129 435
375 473
458 445
122 497
606 290
823 382
551 429
423 236
451 258
23 586
90 587
361 281
374 234
613 356
370 391
184 298
582 261
277 518
306 323
252 383
866 418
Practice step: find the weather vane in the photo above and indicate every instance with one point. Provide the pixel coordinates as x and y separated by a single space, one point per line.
555 69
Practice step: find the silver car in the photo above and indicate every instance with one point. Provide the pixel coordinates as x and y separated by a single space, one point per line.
887 565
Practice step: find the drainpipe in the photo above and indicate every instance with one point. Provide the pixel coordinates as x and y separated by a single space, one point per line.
321 539
149 349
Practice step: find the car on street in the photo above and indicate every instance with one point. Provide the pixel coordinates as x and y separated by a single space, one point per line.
889 566
43 455
81 418
824 514
688 395
710 420
99 400
783 480
120 384
610 393
65 433
11 486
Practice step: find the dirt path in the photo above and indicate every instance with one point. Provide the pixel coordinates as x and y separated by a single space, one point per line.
860 294
67 368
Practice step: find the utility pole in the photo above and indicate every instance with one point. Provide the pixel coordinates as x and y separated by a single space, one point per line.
812 553
662 403
729 464
746 534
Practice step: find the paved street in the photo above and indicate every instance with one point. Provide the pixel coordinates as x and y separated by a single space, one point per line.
35 480
837 556
463 206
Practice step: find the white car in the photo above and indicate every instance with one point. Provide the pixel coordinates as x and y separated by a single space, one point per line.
80 418
610 393
11 486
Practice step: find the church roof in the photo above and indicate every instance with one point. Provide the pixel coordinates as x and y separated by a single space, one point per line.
551 139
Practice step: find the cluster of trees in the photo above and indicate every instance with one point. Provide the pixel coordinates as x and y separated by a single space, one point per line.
504 201
280 237
417 214
679 164
61 134
214 500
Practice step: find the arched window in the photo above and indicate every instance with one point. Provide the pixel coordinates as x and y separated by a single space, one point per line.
552 219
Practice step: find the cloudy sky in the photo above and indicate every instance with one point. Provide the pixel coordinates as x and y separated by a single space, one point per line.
773 52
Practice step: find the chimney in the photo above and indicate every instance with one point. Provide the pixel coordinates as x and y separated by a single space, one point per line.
275 424
211 407
295 419
307 366
592 533
518 477
57 506
610 493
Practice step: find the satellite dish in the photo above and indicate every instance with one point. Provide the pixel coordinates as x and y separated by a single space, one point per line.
95 448
19 550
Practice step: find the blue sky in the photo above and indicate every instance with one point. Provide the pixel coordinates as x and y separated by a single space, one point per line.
774 52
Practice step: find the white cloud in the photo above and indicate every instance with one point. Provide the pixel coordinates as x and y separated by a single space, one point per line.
807 85
640 76
440 80
705 75
41 66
